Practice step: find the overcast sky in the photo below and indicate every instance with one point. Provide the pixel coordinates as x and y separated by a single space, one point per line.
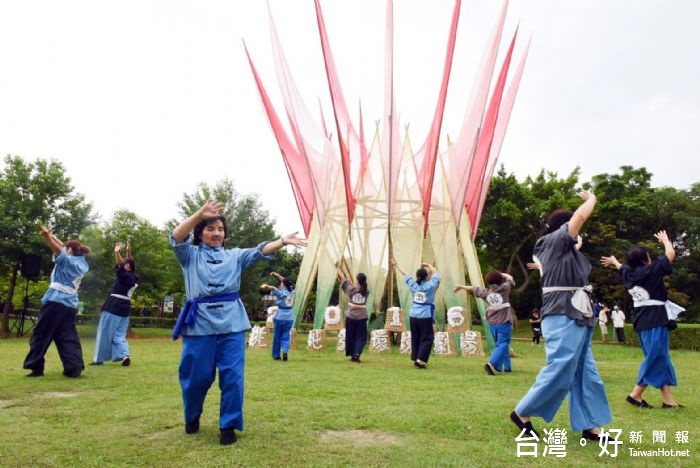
141 100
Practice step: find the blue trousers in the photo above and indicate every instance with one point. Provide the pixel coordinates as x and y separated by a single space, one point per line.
571 370
656 369
201 356
500 357
282 336
110 343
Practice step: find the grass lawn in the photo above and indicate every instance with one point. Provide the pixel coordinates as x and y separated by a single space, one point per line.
318 409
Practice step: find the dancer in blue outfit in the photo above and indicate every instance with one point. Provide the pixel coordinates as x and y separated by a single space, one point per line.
498 315
422 315
59 307
110 343
284 318
644 280
567 326
213 322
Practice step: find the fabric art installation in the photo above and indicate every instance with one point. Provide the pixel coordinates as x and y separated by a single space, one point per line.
363 198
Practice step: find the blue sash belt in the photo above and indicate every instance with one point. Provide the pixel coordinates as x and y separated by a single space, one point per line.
188 313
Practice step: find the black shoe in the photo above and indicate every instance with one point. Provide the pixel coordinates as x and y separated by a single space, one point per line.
586 434
96 363
35 374
638 404
73 373
523 425
276 358
420 365
284 356
489 369
667 406
126 361
227 437
192 427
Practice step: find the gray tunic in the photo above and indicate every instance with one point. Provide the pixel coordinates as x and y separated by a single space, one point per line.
357 310
495 295
561 264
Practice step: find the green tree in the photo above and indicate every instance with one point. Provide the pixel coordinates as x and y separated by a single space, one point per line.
514 214
158 270
31 194
248 224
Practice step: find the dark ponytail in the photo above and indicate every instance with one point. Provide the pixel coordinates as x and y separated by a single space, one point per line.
421 275
362 281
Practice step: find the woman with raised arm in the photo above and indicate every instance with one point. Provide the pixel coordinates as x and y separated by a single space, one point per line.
110 343
422 315
356 316
59 306
498 315
284 318
567 325
213 322
644 280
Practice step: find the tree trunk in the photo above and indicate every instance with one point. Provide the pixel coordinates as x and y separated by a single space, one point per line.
8 302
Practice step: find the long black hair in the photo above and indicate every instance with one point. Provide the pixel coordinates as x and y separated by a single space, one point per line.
132 264
289 284
362 281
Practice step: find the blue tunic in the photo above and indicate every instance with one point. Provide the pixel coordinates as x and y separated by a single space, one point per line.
285 301
212 271
423 295
68 272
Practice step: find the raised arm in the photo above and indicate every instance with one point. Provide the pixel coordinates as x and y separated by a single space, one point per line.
429 267
662 237
266 287
341 274
289 239
128 250
582 213
397 266
277 276
52 241
117 253
610 261
210 209
461 286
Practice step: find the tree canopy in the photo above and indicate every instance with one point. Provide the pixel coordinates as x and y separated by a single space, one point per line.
629 211
31 194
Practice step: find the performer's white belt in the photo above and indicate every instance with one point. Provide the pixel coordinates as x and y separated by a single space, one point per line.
63 288
580 300
673 310
121 296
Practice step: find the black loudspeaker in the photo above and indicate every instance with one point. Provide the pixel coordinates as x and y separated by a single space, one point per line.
31 266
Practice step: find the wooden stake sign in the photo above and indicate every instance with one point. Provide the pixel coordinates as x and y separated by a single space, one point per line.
395 321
